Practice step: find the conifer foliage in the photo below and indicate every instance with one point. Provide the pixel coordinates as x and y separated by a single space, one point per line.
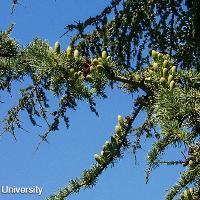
145 47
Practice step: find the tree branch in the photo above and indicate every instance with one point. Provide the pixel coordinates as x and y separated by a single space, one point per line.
89 176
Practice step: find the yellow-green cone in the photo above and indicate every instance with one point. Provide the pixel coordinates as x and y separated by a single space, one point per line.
97 158
155 66
104 54
57 47
171 85
160 55
173 70
100 60
120 120
165 63
163 81
154 53
69 51
108 58
165 72
191 162
170 78
95 62
76 53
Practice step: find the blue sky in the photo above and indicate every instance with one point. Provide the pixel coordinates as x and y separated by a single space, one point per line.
70 151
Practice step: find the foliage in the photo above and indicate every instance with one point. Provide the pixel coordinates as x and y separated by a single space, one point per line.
114 52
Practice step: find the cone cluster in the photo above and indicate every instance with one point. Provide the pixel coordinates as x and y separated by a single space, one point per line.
111 149
193 156
165 68
101 62
188 194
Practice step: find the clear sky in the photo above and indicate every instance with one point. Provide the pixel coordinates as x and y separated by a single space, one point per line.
70 151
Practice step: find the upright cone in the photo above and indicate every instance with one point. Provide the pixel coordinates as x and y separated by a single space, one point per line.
57 47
